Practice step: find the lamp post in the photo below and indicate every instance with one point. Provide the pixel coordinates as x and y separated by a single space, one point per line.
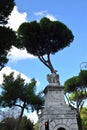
83 65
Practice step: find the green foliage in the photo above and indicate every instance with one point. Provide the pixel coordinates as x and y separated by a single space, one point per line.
36 126
44 38
15 90
76 82
84 117
7 36
76 87
26 124
18 93
6 7
81 96
11 90
9 124
83 77
7 39
72 84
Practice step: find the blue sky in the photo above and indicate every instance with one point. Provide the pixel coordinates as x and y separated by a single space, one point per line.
67 61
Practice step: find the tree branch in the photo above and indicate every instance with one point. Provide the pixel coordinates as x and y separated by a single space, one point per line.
47 62
70 103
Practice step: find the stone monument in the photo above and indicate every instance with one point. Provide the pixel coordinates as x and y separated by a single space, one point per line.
59 115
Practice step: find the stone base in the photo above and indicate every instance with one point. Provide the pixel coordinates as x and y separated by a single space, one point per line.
56 111
58 117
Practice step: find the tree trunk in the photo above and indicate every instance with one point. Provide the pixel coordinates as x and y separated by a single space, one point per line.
79 121
47 62
20 118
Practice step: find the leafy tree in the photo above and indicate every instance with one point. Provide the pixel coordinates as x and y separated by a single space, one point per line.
7 39
7 36
76 88
44 38
26 124
84 117
83 78
18 93
9 124
6 7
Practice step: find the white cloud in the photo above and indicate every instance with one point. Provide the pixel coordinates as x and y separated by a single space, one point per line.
41 13
45 14
33 116
8 70
17 54
51 17
16 18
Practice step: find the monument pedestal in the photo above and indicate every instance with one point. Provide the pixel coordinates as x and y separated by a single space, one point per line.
56 111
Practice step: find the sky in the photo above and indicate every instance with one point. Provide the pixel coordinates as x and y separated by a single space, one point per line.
67 61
